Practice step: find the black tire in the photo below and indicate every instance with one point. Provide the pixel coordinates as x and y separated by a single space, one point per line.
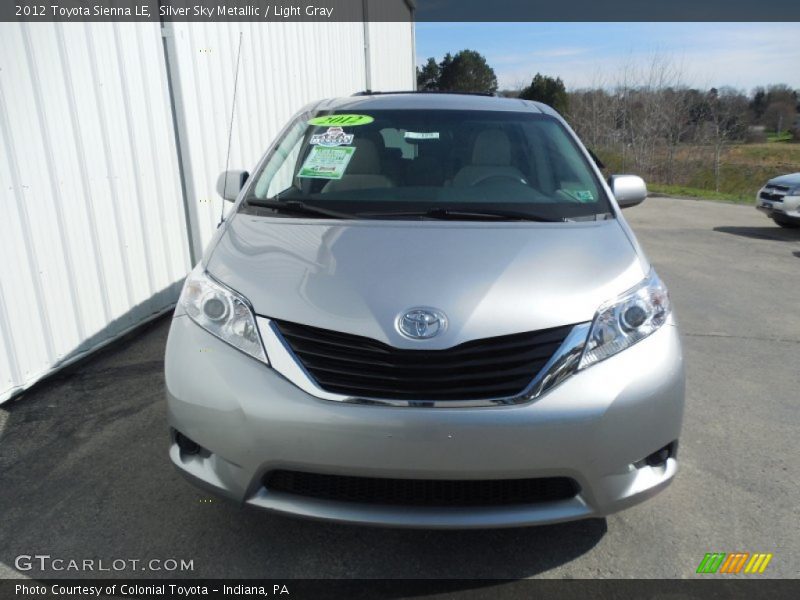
786 222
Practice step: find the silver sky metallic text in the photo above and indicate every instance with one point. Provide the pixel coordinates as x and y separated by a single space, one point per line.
270 11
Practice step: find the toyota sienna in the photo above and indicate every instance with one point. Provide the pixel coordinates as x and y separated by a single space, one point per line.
426 310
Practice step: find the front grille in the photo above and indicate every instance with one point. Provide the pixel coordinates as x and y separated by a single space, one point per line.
773 192
352 365
766 195
422 492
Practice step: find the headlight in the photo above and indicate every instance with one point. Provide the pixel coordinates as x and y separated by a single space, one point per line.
222 312
626 320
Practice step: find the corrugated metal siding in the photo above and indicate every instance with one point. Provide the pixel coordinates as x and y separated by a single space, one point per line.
92 234
283 66
93 228
392 69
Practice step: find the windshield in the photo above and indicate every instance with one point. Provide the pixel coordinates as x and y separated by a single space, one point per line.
428 164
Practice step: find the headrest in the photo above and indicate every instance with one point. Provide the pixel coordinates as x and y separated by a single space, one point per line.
365 159
492 148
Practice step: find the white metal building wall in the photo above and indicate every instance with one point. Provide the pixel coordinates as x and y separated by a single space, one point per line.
283 67
92 241
391 69
93 229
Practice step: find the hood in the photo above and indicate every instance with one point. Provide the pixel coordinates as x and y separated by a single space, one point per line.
792 180
489 279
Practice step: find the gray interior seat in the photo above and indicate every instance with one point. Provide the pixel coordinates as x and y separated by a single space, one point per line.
427 169
363 172
491 156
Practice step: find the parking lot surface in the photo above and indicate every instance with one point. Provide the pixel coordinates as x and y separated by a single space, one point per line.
84 472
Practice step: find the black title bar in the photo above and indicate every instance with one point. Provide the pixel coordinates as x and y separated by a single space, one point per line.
401 10
373 589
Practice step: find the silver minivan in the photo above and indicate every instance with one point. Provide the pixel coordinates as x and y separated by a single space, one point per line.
426 310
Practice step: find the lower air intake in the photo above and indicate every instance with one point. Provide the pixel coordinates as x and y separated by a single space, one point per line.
422 492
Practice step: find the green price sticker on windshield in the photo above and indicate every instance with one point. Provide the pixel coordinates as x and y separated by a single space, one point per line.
341 120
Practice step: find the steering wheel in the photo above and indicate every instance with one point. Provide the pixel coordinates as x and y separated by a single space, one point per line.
498 176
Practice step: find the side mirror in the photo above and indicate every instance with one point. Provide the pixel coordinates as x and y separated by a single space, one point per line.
629 190
230 183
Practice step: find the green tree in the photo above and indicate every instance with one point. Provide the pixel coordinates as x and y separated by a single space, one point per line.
758 105
775 106
467 71
447 63
548 90
428 76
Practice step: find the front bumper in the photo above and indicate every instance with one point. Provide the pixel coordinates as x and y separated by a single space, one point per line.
787 207
591 428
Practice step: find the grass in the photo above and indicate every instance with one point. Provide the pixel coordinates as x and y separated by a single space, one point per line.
743 170
769 154
682 191
782 136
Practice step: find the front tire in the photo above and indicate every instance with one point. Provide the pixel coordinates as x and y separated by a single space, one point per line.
787 223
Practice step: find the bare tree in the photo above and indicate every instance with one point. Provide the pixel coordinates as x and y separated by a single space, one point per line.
724 116
649 121
643 116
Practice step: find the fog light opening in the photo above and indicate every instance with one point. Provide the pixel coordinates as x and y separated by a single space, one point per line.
187 445
659 457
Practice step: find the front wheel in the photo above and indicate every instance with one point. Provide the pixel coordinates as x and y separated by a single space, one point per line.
787 223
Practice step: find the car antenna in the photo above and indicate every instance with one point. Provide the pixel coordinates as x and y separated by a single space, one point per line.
230 129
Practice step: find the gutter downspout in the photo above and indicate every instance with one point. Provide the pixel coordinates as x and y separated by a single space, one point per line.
367 51
412 9
181 142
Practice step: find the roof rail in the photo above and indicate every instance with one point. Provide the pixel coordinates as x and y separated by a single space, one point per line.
375 93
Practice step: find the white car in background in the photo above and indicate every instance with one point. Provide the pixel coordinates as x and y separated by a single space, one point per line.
779 199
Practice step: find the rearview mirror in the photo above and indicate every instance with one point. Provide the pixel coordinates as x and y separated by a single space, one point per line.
230 183
629 190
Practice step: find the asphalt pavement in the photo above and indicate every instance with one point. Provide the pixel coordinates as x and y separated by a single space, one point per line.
84 472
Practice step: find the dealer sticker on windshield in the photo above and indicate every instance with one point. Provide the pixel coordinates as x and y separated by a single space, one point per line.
327 162
334 136
581 195
341 120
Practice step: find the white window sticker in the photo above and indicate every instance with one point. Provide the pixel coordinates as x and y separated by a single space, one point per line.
325 162
334 136
422 135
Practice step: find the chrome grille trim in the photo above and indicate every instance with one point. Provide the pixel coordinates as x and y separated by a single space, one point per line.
559 367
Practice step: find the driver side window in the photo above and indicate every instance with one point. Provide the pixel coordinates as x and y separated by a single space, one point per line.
558 166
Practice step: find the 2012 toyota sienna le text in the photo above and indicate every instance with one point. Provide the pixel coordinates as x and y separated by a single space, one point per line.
426 310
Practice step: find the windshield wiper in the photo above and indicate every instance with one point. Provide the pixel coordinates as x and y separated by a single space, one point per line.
476 215
298 207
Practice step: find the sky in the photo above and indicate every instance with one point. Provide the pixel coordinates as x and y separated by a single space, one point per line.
740 55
